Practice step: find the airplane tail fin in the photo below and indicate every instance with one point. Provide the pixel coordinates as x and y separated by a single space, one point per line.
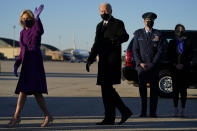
74 42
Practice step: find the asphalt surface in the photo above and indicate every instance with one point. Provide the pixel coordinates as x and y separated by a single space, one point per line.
76 104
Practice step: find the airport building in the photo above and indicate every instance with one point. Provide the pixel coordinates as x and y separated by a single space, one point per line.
10 49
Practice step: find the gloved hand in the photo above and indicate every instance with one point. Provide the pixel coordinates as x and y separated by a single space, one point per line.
38 11
15 70
88 66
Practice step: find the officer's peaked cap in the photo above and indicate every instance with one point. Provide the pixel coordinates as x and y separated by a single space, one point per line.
149 15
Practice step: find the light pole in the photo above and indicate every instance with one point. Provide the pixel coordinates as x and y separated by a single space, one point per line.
13 46
87 45
60 42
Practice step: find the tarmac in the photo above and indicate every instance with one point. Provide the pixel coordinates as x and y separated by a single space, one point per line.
75 102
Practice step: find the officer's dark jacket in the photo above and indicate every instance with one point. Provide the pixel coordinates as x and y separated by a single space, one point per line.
175 57
147 50
107 46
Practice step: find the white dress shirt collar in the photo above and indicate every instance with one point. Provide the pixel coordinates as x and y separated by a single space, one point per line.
149 30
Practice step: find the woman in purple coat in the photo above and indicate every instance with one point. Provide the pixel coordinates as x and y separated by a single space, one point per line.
32 78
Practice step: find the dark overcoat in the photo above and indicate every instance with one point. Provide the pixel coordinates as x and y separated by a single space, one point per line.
175 57
147 50
107 46
32 76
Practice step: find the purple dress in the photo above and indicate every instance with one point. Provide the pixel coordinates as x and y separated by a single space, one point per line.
32 77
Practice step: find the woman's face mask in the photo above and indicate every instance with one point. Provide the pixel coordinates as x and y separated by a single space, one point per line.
180 31
28 23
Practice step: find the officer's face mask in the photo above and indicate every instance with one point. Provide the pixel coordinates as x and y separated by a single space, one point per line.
150 23
179 33
105 16
28 23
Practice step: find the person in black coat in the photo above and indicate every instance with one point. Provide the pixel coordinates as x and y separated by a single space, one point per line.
110 34
147 49
180 55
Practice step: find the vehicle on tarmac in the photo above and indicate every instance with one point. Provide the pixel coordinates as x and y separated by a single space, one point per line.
165 76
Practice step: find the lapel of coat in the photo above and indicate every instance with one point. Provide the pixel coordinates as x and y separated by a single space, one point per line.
98 30
148 40
152 34
145 35
109 24
185 47
110 21
100 26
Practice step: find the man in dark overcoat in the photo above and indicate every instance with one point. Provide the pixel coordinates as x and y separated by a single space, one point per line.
110 34
147 49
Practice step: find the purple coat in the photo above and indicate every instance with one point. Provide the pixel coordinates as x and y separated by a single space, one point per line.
32 77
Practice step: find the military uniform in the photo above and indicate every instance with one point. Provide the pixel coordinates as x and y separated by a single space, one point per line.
147 48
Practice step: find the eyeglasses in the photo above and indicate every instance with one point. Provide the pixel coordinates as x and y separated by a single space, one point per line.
23 19
148 20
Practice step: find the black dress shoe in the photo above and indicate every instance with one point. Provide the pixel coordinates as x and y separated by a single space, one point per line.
153 115
104 122
142 115
125 117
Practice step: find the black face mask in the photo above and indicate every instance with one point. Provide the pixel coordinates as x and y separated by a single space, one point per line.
150 24
28 23
105 16
179 33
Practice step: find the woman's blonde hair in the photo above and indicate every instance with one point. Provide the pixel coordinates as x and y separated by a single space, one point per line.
30 15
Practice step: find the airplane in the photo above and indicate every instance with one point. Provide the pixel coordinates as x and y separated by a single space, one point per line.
67 55
77 55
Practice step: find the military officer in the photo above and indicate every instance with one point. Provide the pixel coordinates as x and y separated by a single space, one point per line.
147 50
